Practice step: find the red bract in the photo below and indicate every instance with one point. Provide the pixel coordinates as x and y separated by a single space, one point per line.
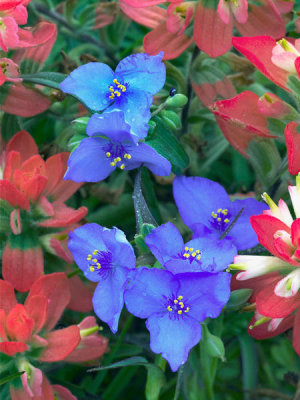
240 120
19 99
33 193
292 138
213 24
275 280
26 333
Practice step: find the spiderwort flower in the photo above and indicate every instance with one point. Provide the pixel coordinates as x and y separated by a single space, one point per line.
174 305
205 207
109 146
130 88
105 256
203 254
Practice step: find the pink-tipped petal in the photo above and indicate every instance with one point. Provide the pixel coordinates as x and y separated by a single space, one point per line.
8 298
149 16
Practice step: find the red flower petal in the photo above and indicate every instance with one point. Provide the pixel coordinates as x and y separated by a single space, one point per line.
82 303
55 287
147 16
292 138
8 298
63 393
64 216
23 143
19 324
22 267
13 161
211 35
61 343
258 50
262 332
13 196
56 167
265 227
160 39
11 348
296 333
36 307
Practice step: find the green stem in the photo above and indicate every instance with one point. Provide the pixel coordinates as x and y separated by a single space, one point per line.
179 382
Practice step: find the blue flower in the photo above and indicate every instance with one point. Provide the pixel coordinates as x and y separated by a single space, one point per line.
105 256
204 254
206 208
130 88
109 146
174 305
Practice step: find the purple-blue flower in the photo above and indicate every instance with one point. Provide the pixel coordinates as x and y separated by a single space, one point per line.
203 254
206 208
111 146
105 256
174 306
130 88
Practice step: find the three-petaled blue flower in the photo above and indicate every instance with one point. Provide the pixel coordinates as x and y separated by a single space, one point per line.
130 88
206 208
174 305
204 254
105 256
109 146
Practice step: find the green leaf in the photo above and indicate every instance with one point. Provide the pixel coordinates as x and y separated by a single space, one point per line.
128 362
51 79
249 364
166 144
10 124
11 377
155 381
213 344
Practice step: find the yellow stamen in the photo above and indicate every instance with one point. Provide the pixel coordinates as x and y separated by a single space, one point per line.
112 164
186 249
191 249
170 308
175 301
187 309
179 297
122 166
108 154
179 312
194 254
95 252
92 269
197 251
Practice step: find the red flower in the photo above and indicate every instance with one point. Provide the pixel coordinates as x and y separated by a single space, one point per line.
26 332
34 192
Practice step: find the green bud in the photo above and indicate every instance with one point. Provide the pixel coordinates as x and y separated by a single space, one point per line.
141 245
213 344
79 125
179 100
171 119
146 229
75 140
238 298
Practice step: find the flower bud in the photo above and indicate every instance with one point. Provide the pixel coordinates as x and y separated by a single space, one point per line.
179 100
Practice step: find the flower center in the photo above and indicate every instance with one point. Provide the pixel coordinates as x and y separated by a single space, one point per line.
116 89
220 219
191 254
176 305
99 260
117 154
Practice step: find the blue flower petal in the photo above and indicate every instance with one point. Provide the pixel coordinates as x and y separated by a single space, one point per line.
148 290
136 107
143 72
146 155
110 124
88 162
122 251
173 338
205 294
108 299
82 242
90 83
242 234
196 198
165 242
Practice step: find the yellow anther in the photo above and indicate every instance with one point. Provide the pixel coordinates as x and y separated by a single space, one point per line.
111 89
122 166
191 249
108 154
181 304
226 220
219 210
186 248
187 256
94 260
118 159
194 254
95 252
219 219
224 212
128 156
199 258
214 215
112 164
170 308
98 265
179 311
179 297
92 269
197 251
89 257
116 81
117 93
187 309
112 96
176 301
